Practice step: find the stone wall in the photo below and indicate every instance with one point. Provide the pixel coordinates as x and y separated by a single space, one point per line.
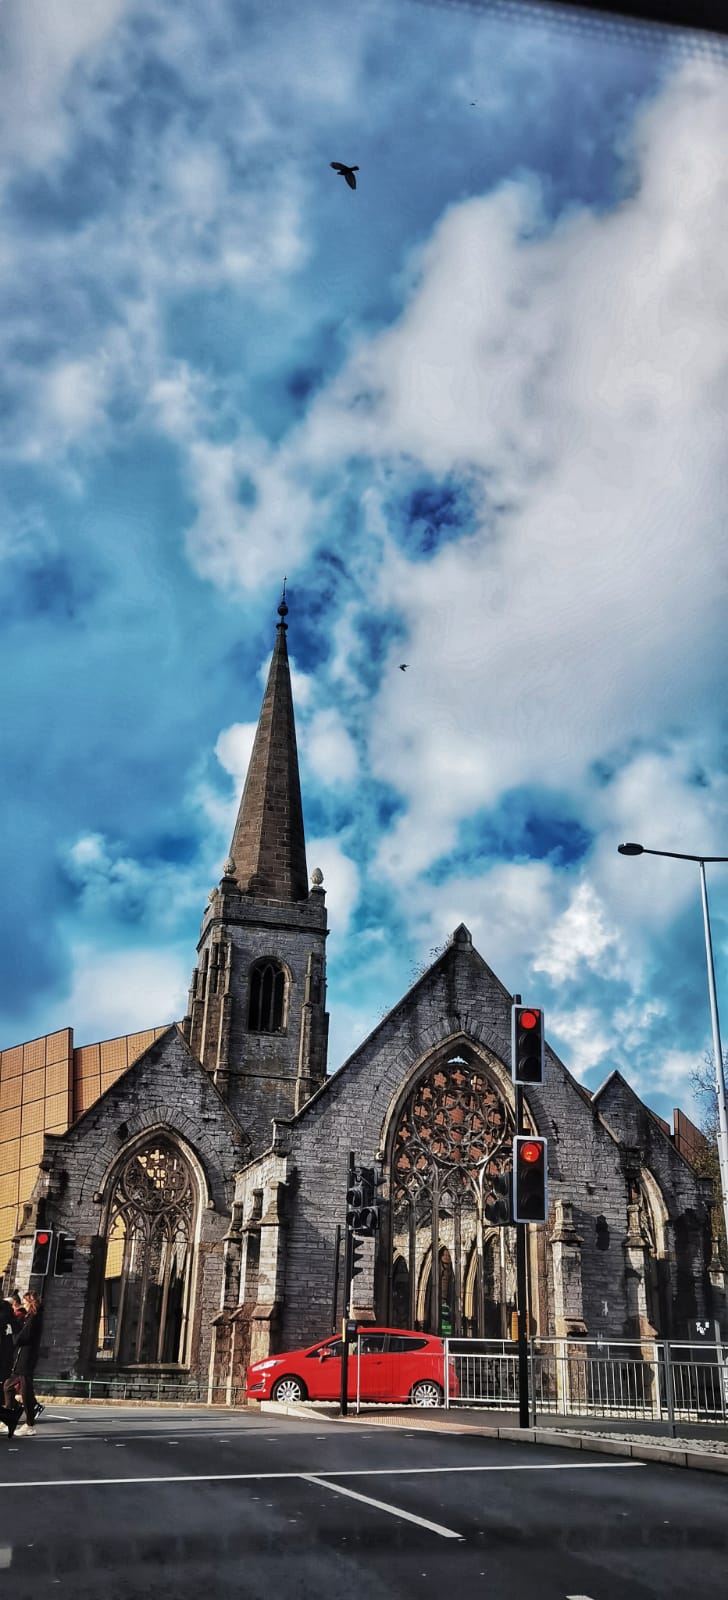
678 1198
263 1075
459 999
165 1089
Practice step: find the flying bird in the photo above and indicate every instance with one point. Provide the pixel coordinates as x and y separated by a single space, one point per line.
403 665
345 172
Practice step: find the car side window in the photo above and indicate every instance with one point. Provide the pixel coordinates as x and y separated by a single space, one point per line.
404 1346
326 1351
372 1344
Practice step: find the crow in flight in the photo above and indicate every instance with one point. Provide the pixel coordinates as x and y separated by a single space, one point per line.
345 172
403 666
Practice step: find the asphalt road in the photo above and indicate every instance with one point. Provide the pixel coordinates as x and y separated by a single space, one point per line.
124 1504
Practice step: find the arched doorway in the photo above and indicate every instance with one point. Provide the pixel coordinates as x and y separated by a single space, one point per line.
450 1139
149 1257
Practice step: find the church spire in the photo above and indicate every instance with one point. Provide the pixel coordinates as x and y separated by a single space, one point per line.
268 847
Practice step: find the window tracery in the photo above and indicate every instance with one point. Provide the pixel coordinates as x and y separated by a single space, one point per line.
452 1137
266 1005
150 1238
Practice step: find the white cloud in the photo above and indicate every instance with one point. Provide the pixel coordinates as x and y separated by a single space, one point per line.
233 750
232 541
505 909
116 992
144 893
588 1041
580 938
44 41
75 394
329 750
582 370
341 881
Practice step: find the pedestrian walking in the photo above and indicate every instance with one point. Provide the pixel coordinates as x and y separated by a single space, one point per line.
20 1382
7 1329
10 1412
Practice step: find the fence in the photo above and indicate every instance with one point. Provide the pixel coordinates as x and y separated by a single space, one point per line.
660 1381
130 1387
654 1381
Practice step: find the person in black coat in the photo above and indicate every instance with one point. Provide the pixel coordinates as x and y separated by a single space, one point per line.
27 1345
7 1329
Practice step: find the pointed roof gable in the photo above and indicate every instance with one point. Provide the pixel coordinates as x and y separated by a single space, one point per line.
616 1096
268 847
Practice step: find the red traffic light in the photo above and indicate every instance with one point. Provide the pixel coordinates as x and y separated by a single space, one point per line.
530 1198
527 1044
42 1247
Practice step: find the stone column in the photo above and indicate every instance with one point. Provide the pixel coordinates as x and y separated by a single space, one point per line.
221 1353
566 1246
636 1251
718 1298
271 1275
569 1321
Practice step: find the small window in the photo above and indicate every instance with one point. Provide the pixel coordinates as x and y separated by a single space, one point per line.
267 997
403 1346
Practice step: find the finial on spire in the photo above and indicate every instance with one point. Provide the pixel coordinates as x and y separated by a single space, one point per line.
283 608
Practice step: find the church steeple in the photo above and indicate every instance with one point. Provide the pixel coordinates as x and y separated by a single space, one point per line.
268 847
257 1016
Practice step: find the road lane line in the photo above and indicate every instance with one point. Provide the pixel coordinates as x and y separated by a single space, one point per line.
354 1472
381 1505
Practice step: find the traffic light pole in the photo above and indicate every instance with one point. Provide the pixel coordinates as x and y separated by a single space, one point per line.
348 1266
335 1289
522 1293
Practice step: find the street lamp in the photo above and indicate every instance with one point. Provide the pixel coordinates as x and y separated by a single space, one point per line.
676 855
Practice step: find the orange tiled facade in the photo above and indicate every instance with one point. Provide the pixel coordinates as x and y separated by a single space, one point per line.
44 1086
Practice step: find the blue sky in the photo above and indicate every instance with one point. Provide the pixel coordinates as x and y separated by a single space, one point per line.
475 411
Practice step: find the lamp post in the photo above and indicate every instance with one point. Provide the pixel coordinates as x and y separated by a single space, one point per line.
676 855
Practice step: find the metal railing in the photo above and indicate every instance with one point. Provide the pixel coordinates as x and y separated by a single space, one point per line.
155 1391
654 1381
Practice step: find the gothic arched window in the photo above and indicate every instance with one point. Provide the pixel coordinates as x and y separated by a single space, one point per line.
149 1253
266 1007
452 1137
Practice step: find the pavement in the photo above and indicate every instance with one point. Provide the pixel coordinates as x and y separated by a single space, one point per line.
702 1446
131 1503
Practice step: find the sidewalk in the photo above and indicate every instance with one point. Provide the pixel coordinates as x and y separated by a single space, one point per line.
701 1446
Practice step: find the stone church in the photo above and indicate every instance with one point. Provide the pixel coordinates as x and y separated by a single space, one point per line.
205 1186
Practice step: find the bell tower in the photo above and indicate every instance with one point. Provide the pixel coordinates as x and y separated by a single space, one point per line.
257 1015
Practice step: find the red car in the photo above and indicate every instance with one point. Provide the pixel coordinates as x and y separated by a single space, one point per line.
395 1366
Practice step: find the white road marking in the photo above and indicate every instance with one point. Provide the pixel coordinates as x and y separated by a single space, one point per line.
381 1505
97 1438
355 1472
578 1597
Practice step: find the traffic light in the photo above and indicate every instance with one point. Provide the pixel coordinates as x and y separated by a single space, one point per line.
362 1215
526 1044
497 1207
65 1252
530 1197
42 1246
357 1265
354 1201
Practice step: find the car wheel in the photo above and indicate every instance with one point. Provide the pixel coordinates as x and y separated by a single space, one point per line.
426 1393
288 1391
